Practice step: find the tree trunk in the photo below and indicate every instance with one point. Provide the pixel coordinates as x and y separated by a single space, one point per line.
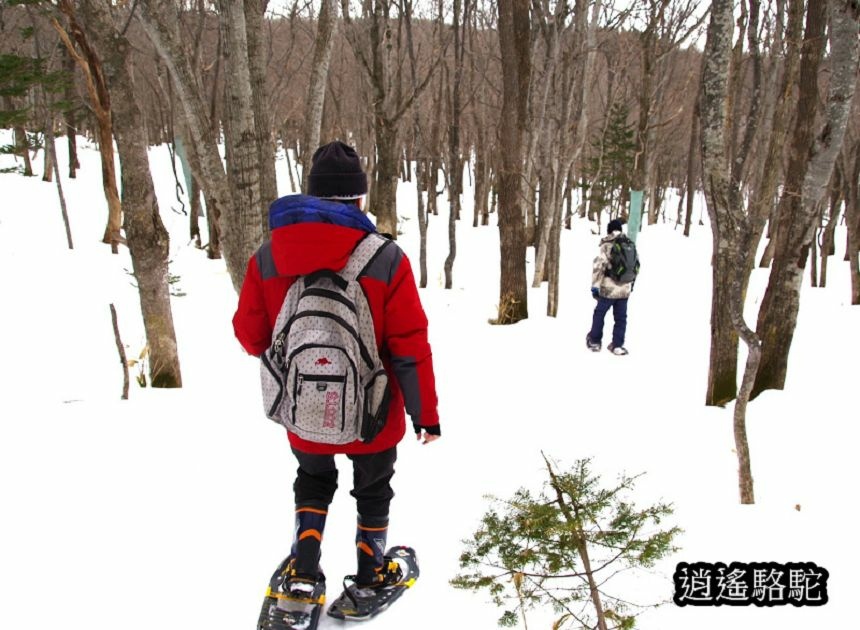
753 116
852 220
828 241
196 212
692 179
90 65
51 152
69 117
47 166
422 161
514 26
213 245
255 36
730 225
421 178
379 54
574 523
384 191
148 240
455 164
549 132
811 162
23 146
326 29
647 57
554 259
722 384
21 143
482 183
160 20
722 373
247 225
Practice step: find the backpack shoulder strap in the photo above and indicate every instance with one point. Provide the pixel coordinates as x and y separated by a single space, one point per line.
363 255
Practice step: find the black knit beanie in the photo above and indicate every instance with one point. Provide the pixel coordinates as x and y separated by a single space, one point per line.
336 172
614 226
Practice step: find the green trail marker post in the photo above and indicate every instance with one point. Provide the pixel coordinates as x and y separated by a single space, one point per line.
634 217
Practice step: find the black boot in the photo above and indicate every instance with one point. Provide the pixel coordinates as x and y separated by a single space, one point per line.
305 552
371 535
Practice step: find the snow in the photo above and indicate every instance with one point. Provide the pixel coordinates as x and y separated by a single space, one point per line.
171 509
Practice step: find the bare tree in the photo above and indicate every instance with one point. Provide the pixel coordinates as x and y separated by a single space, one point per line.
852 216
729 222
248 222
834 211
810 165
99 95
148 240
422 161
255 37
160 22
326 29
722 372
514 27
460 22
378 53
51 161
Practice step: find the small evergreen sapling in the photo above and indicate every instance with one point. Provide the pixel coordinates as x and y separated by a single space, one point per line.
562 547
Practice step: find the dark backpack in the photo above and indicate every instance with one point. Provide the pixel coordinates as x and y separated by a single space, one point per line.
623 260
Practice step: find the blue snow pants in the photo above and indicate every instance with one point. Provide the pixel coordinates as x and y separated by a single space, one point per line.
619 314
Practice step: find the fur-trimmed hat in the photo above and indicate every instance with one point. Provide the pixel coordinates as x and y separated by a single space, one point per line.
336 172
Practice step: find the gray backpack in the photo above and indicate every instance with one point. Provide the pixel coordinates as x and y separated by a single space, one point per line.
322 376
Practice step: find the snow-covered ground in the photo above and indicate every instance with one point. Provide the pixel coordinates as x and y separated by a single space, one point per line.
171 509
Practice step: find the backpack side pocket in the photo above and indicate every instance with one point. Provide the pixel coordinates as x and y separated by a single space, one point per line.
377 398
273 388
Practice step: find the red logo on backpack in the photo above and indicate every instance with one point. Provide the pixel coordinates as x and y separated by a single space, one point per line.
323 361
332 406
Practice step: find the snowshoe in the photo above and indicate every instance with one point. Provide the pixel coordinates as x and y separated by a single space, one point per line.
359 602
292 602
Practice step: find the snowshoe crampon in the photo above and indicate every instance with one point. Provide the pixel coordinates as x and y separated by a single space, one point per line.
291 604
358 603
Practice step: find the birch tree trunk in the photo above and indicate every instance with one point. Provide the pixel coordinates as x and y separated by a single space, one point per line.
811 163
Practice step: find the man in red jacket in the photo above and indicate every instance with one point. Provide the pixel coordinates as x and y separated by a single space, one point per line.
319 231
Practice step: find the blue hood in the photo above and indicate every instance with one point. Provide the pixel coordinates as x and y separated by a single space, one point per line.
294 209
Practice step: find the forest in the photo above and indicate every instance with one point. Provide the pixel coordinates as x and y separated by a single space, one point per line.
551 109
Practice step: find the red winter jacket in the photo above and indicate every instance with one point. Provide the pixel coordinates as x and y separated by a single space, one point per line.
309 242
